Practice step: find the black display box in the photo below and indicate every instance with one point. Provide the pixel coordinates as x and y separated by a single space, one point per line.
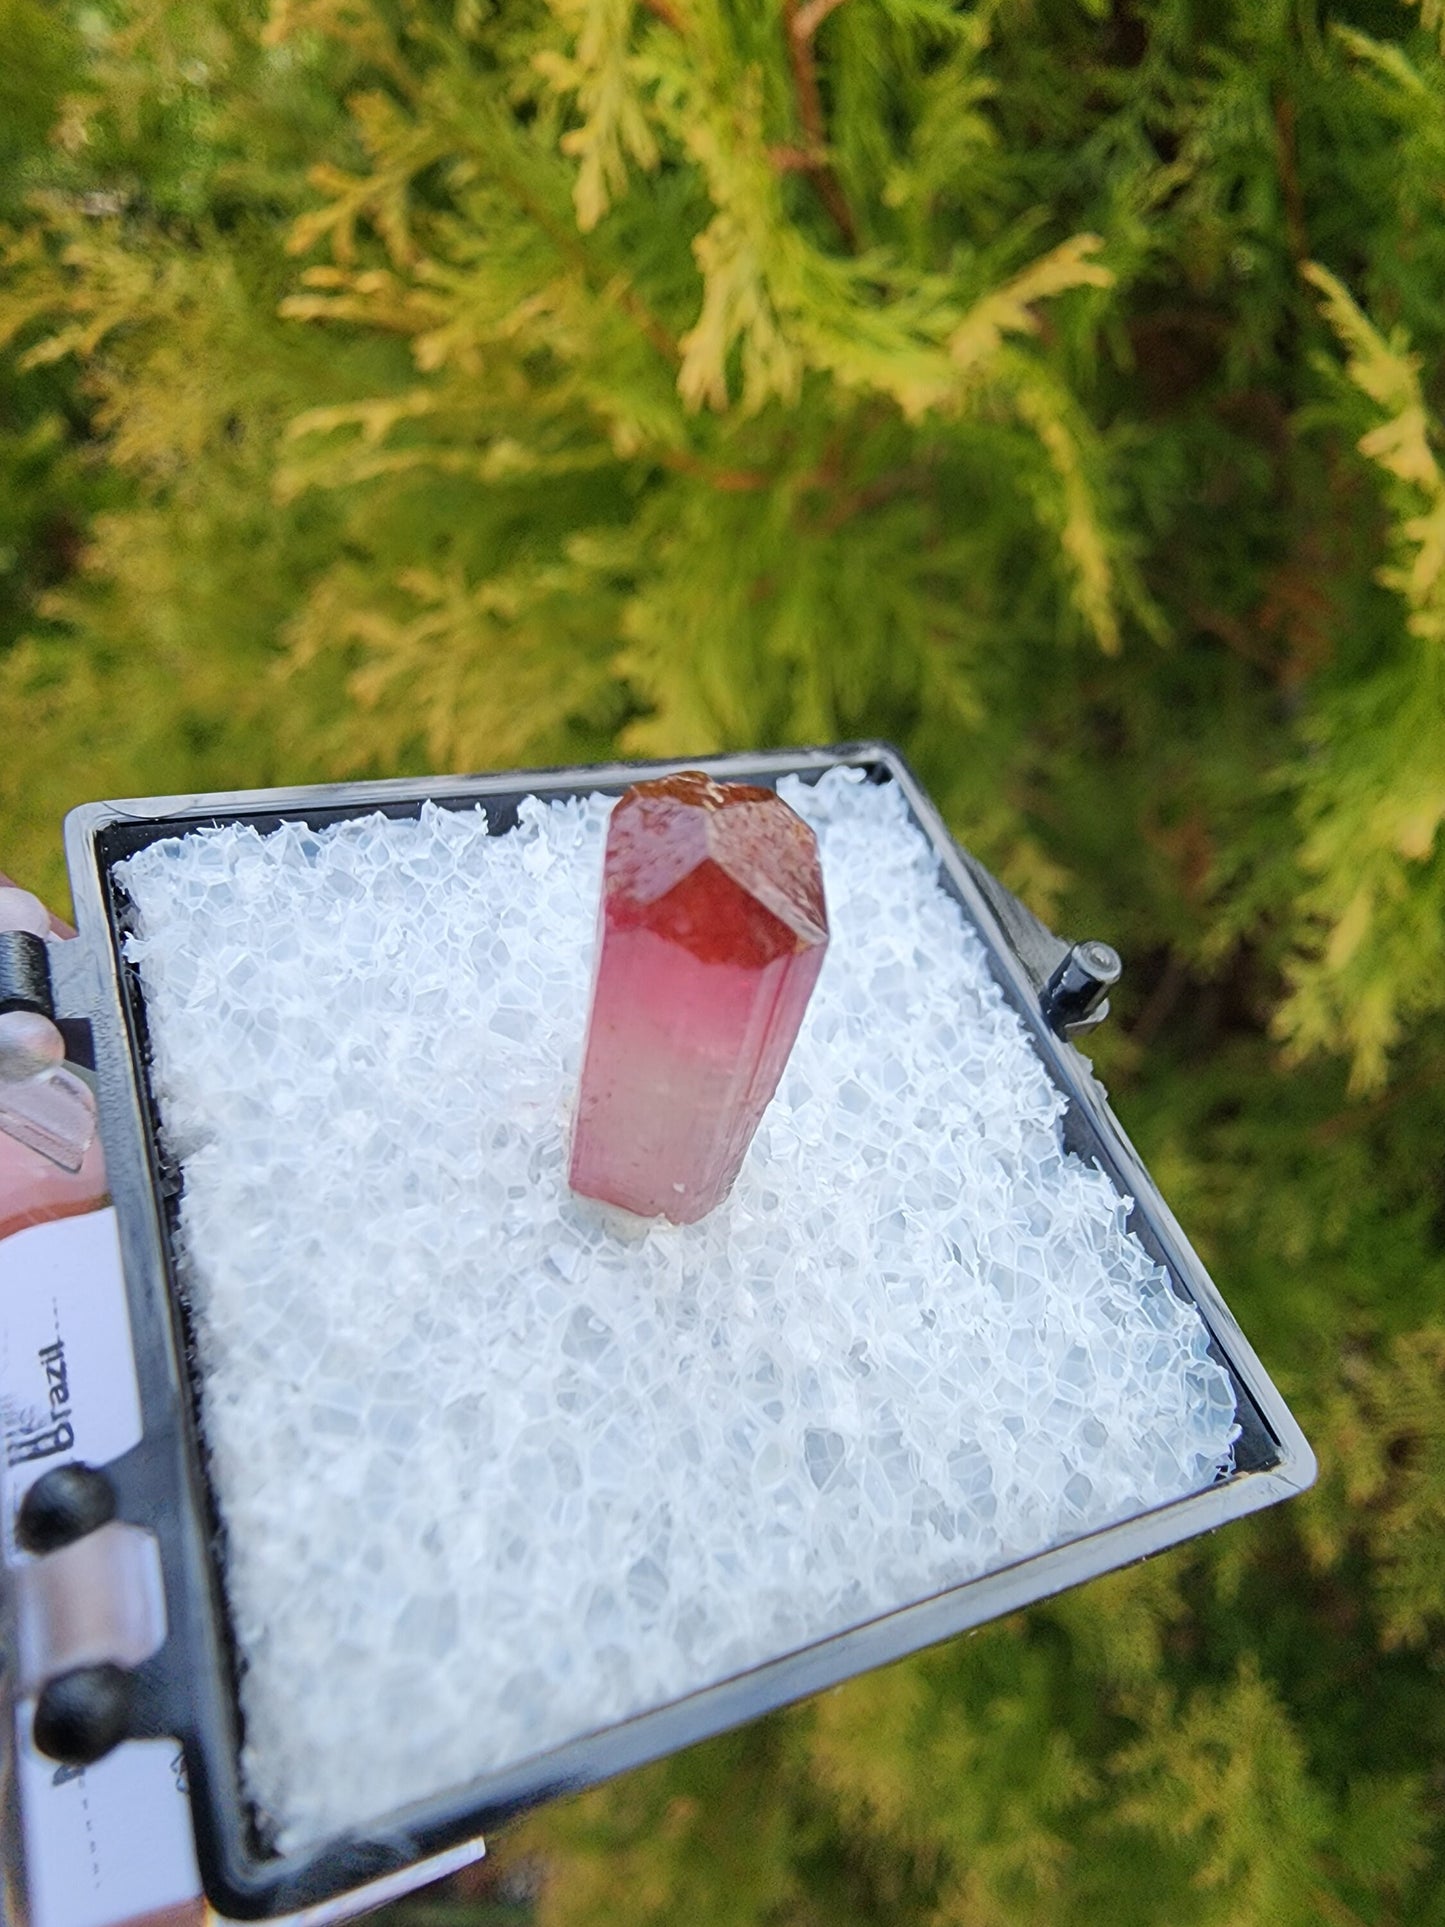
188 1689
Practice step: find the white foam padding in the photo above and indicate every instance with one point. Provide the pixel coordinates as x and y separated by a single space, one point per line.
494 1473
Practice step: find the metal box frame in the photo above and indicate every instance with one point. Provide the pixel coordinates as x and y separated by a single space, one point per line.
188 1689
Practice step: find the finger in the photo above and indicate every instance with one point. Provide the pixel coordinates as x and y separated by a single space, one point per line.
57 927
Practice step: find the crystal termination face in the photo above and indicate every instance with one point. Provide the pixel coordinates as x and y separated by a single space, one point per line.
711 935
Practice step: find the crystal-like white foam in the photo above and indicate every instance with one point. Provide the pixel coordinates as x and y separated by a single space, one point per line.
494 1472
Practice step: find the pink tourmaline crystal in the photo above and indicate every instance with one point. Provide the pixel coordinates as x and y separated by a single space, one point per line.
711 937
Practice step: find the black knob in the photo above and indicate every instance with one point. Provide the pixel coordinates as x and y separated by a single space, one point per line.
62 1506
1080 984
80 1716
25 973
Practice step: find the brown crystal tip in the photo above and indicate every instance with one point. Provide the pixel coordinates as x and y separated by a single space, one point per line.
713 931
727 870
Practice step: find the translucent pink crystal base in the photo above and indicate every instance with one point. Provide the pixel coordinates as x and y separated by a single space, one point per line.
711 936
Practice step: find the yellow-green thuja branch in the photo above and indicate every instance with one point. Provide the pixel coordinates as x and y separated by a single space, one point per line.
1372 790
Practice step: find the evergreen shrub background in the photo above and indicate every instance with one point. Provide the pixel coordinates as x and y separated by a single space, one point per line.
1052 385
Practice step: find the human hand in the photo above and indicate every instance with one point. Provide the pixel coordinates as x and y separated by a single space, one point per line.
41 1103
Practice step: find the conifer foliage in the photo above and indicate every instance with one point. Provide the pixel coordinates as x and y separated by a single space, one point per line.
1055 386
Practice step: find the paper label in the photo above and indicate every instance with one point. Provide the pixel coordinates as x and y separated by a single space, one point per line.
67 1381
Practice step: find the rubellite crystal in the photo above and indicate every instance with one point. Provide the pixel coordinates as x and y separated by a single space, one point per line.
711 936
